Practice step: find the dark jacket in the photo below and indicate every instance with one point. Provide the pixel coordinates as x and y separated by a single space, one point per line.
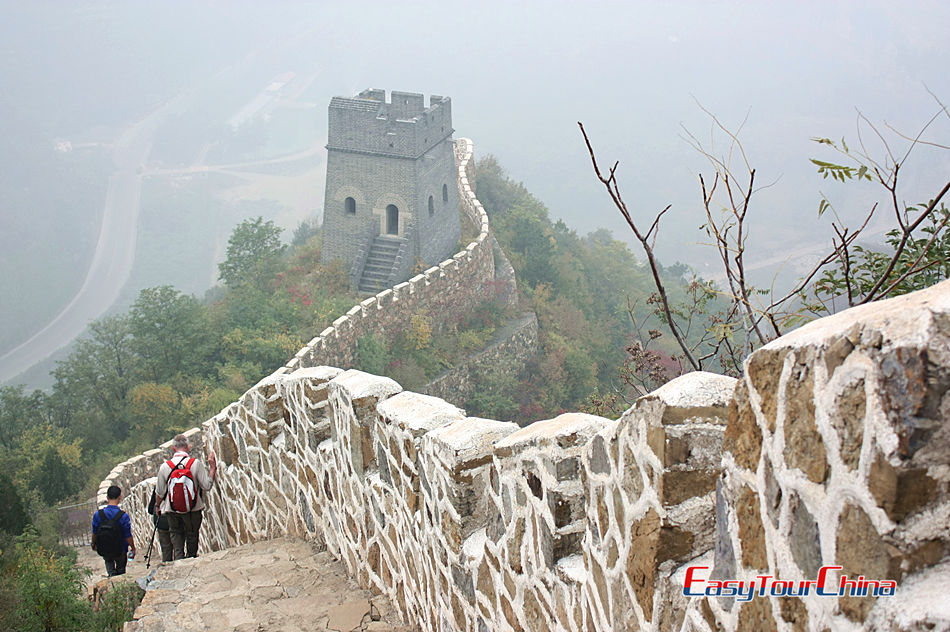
162 520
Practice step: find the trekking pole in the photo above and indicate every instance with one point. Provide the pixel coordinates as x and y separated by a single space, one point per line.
151 543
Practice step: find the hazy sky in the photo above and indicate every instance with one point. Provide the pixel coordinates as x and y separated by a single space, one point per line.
520 75
633 73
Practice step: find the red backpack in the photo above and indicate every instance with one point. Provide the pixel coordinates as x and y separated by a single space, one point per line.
182 491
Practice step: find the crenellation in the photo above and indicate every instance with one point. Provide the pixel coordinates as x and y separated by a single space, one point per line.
385 299
402 291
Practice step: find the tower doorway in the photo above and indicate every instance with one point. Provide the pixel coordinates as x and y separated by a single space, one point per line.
392 220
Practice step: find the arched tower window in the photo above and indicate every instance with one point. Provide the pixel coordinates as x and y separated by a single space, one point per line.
349 205
445 193
392 220
431 207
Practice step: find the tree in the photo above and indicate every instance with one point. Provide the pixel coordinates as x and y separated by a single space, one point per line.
254 252
305 231
920 242
51 464
92 384
13 514
171 332
155 411
532 248
20 411
850 274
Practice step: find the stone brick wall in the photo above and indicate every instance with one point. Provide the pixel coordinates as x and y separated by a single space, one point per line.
837 452
380 153
511 349
833 448
466 523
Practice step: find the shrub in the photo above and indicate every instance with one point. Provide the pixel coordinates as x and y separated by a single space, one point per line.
44 590
117 606
372 355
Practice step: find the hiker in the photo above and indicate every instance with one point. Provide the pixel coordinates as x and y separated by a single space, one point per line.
181 481
112 533
160 521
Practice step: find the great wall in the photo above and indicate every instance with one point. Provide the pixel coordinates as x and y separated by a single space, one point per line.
832 449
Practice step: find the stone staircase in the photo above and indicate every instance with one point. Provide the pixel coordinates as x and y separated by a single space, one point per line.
377 271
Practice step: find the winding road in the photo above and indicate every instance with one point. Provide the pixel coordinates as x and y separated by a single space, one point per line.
114 254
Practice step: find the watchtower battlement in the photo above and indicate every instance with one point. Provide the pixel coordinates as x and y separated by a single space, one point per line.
401 127
391 202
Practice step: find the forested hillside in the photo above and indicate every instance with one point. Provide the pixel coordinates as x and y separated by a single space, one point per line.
595 307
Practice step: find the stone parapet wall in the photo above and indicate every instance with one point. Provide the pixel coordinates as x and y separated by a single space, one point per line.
444 293
513 346
837 453
466 523
473 524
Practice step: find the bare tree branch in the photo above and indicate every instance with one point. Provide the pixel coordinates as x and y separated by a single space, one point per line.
613 189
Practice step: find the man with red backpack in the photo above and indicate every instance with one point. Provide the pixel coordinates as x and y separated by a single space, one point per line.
181 481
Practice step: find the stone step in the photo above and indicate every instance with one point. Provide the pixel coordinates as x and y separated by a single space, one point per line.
379 264
370 287
383 268
385 245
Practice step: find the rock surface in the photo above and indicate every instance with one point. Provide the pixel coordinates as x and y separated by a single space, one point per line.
281 585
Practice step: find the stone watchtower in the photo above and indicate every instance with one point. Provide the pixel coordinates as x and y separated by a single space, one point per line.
391 195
